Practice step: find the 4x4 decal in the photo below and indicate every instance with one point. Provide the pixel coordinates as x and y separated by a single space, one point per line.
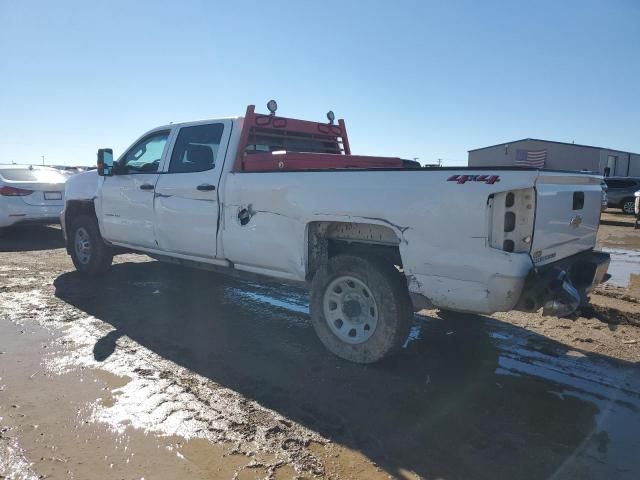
461 179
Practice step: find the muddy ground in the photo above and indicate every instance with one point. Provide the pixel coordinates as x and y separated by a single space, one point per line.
160 372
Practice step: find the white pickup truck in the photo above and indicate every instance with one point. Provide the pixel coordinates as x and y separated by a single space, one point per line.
375 238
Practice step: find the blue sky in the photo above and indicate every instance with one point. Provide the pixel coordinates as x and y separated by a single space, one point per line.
412 78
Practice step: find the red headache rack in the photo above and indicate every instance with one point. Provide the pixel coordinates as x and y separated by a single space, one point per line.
271 143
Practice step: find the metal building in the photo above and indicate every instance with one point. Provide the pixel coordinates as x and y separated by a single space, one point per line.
533 152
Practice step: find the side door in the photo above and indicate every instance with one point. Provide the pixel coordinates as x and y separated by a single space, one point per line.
187 203
127 197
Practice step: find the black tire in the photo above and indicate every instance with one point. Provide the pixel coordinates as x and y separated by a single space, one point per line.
628 206
98 258
389 291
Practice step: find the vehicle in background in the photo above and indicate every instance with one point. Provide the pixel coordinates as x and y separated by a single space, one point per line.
373 237
605 196
29 194
620 192
637 210
69 170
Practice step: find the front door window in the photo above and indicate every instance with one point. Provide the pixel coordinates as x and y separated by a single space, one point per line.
145 156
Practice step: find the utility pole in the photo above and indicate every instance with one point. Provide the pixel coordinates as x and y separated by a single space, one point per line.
43 160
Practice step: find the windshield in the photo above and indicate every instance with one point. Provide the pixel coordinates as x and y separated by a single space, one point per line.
44 175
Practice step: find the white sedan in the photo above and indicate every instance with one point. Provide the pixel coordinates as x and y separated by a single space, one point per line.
30 194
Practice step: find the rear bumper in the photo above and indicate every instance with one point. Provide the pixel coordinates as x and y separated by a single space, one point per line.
467 283
11 214
559 288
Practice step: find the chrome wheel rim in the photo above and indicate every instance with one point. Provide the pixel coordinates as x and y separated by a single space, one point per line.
350 310
82 244
628 207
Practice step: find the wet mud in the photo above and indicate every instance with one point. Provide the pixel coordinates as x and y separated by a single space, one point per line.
157 371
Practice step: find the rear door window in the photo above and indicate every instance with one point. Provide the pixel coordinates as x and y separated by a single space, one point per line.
196 148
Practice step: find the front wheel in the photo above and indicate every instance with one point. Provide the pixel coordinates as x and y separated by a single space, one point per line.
360 308
89 253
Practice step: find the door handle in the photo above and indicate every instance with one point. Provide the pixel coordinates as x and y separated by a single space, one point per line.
205 187
146 186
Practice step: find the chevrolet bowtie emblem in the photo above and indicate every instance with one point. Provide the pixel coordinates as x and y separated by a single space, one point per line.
576 221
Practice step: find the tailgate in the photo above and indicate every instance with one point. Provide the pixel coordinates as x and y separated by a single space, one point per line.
567 215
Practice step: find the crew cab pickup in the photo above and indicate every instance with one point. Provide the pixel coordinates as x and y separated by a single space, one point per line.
375 238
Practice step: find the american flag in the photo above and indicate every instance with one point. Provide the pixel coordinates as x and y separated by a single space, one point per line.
531 158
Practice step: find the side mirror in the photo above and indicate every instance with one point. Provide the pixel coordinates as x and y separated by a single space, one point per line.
105 162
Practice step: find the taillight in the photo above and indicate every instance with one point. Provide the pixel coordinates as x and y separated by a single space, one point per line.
511 220
14 192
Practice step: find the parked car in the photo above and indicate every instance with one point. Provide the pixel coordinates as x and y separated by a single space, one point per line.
605 197
373 237
69 170
30 194
637 210
621 191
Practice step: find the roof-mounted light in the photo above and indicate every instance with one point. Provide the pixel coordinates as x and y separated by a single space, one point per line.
272 106
331 116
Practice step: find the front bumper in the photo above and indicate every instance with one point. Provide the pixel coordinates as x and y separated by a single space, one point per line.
559 288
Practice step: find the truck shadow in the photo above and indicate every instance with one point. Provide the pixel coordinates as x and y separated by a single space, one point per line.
616 218
26 238
468 397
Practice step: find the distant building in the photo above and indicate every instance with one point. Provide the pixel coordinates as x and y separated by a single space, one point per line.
533 152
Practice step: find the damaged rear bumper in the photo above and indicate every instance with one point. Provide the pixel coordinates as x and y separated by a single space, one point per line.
561 287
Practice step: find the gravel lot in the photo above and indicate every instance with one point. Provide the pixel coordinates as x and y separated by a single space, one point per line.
162 372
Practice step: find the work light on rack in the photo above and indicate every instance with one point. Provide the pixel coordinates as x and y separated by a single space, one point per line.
272 106
331 117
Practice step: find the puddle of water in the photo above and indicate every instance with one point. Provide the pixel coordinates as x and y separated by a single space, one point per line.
613 388
624 264
287 303
414 335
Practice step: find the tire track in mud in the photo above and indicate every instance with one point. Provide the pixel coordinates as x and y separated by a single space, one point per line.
160 396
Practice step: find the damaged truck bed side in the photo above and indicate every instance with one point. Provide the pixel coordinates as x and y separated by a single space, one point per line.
374 237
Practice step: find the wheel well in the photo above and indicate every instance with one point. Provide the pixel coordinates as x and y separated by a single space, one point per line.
78 207
328 239
73 208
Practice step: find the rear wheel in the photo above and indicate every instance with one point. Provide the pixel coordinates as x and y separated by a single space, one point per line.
89 253
360 308
628 206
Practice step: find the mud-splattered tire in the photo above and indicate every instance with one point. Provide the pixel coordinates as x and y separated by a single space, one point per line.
360 308
90 255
